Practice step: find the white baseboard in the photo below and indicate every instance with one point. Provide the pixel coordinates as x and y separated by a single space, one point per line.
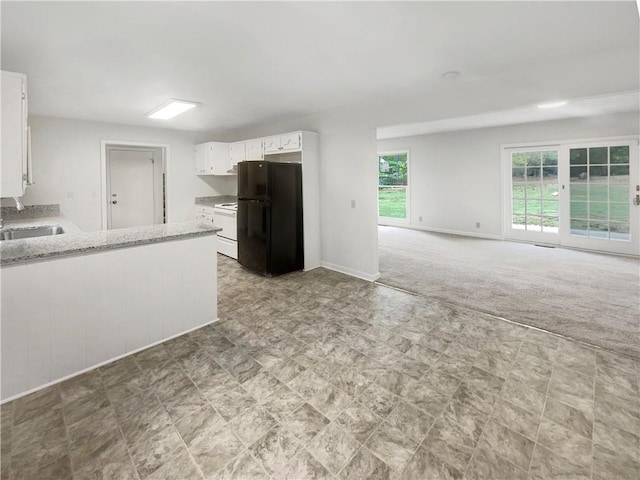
354 273
106 362
450 232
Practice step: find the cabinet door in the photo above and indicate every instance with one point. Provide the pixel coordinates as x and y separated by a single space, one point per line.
237 153
198 154
272 144
209 159
290 142
14 134
254 149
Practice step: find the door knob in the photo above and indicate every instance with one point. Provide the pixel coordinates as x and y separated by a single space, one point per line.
114 201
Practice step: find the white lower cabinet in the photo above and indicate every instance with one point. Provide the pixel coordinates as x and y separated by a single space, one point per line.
204 214
228 247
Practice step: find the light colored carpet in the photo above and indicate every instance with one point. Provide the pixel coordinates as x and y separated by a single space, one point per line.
591 297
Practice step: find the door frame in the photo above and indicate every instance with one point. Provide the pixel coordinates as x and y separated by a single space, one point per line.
562 146
104 173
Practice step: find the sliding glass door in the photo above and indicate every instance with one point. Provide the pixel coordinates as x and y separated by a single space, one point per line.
601 186
576 195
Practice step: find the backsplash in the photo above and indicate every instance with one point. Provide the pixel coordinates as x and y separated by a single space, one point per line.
216 199
30 211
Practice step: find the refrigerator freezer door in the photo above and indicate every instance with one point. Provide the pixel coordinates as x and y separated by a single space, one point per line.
254 221
253 179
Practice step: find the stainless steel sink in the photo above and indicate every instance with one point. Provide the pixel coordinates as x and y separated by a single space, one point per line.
30 232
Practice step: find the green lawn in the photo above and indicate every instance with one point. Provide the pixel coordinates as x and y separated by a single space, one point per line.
392 202
597 204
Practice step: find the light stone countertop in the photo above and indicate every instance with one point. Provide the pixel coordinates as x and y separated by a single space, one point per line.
67 225
32 249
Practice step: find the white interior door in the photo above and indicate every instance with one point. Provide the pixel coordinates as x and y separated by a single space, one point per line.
131 188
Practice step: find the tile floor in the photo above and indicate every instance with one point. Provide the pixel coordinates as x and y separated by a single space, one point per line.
319 375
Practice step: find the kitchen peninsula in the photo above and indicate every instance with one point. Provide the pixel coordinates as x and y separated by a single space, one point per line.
101 295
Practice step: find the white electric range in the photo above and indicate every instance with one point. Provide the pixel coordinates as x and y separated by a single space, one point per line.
224 216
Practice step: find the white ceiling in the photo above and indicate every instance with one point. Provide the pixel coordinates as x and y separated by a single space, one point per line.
580 107
249 63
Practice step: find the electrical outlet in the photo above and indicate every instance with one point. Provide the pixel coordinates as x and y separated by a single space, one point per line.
353 204
419 219
477 224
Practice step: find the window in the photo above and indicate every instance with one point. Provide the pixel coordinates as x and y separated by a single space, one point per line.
393 175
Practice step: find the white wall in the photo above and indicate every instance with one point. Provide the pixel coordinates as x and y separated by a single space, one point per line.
66 164
348 171
455 178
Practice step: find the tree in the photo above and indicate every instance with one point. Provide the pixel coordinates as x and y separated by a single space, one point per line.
392 169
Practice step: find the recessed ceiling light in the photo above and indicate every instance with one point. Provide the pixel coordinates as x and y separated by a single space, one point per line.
171 108
451 74
553 104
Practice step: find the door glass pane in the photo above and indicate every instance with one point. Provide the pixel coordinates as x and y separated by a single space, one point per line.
579 209
578 173
619 212
550 157
598 191
579 192
620 171
534 223
550 208
392 185
579 227
550 224
599 211
598 171
618 193
619 231
598 156
578 156
620 154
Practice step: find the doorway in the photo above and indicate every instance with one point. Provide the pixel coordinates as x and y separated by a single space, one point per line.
134 186
579 194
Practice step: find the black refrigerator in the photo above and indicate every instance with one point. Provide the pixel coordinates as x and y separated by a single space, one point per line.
270 238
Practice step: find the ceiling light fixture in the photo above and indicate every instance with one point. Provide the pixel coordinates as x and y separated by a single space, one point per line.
553 104
451 75
171 108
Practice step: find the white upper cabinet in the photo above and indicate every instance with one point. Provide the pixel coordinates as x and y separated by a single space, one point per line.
212 158
254 149
16 170
237 153
288 142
